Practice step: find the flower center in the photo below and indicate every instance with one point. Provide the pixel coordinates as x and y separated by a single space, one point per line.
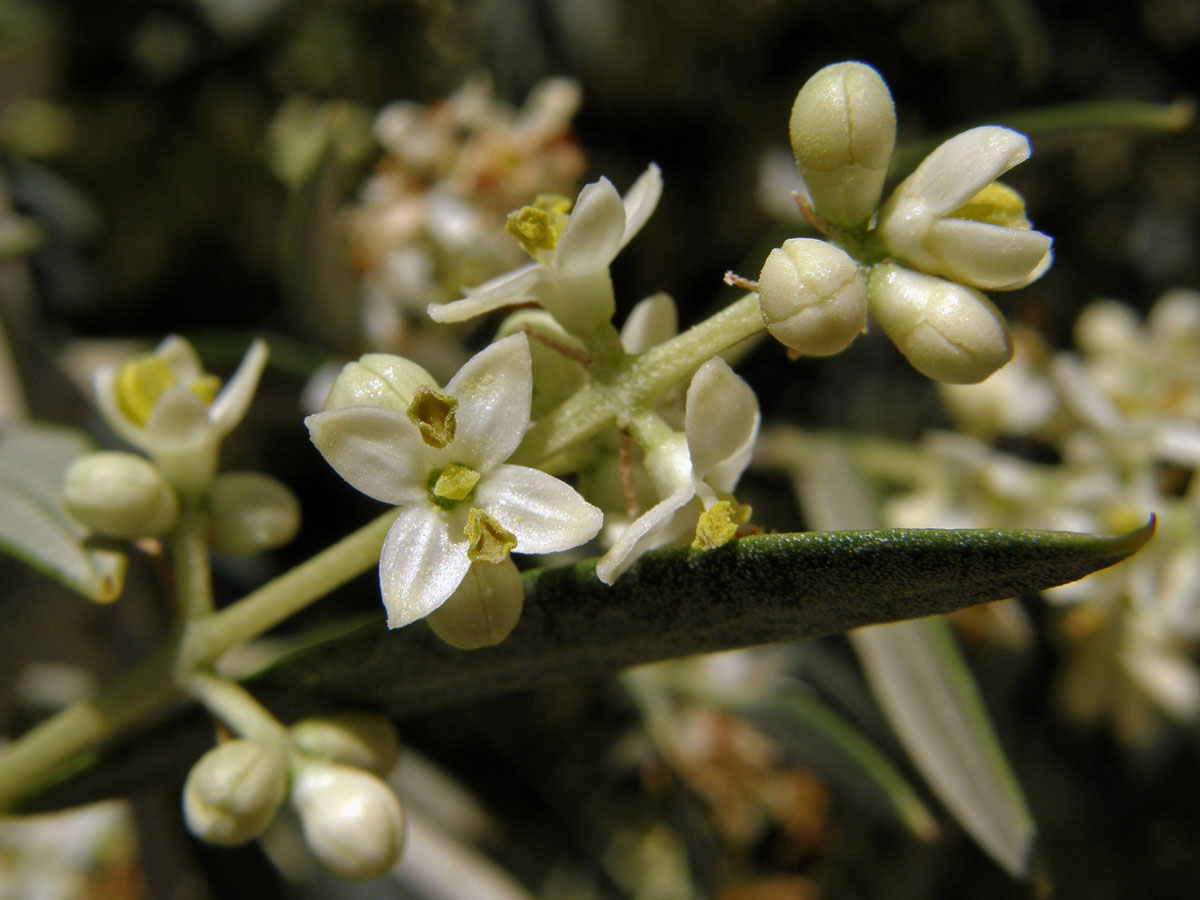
141 381
450 486
996 204
433 414
538 227
490 542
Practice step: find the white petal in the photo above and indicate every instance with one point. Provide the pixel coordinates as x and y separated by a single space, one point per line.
650 323
963 166
180 357
377 450
494 389
231 404
593 233
721 416
505 290
1039 270
983 255
640 536
640 201
104 385
544 514
179 418
420 565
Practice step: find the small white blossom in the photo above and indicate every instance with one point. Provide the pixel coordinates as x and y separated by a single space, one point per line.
948 218
443 460
721 424
166 405
570 277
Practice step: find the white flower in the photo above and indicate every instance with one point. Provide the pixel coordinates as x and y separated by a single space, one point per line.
443 460
570 278
721 424
948 218
166 405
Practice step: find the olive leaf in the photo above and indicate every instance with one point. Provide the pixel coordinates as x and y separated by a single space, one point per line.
34 527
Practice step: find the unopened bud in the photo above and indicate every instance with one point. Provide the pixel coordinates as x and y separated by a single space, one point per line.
378 379
251 512
843 129
483 609
234 791
358 739
813 298
948 332
119 495
352 820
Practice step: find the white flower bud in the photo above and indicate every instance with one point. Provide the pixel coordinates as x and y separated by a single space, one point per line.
352 820
234 791
813 298
358 739
378 379
119 495
948 332
250 513
483 609
843 129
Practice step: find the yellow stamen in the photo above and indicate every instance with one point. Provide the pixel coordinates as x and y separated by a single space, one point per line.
490 542
206 387
140 382
538 227
996 204
433 414
456 482
718 524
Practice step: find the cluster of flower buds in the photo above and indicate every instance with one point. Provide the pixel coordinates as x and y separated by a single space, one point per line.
167 406
918 261
332 770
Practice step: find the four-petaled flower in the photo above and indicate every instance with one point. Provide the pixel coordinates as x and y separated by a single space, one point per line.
167 406
570 276
443 461
721 422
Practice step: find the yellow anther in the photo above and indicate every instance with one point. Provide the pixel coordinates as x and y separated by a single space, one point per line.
490 542
140 382
455 482
996 204
539 226
718 524
433 414
206 387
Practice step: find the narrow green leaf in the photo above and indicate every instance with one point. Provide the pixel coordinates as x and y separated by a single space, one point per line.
34 527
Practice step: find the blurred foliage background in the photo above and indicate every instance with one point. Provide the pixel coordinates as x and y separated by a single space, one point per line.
135 137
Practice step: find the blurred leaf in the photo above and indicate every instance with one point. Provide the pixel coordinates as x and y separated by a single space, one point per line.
34 527
672 603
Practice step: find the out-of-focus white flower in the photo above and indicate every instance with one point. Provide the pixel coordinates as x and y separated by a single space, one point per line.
443 460
948 218
948 332
570 277
721 424
250 513
166 405
843 130
359 739
119 495
352 820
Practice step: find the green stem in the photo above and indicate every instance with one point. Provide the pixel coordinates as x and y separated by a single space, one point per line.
193 574
638 381
236 707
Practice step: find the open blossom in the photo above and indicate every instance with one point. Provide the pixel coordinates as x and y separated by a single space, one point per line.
167 406
721 424
442 459
948 218
570 276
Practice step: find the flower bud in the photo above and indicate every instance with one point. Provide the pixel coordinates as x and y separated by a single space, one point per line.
813 298
947 332
352 820
556 355
119 495
378 379
843 129
483 609
250 513
234 791
358 739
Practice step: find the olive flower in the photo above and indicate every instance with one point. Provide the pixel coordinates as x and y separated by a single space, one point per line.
442 459
167 406
949 218
572 252
721 422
